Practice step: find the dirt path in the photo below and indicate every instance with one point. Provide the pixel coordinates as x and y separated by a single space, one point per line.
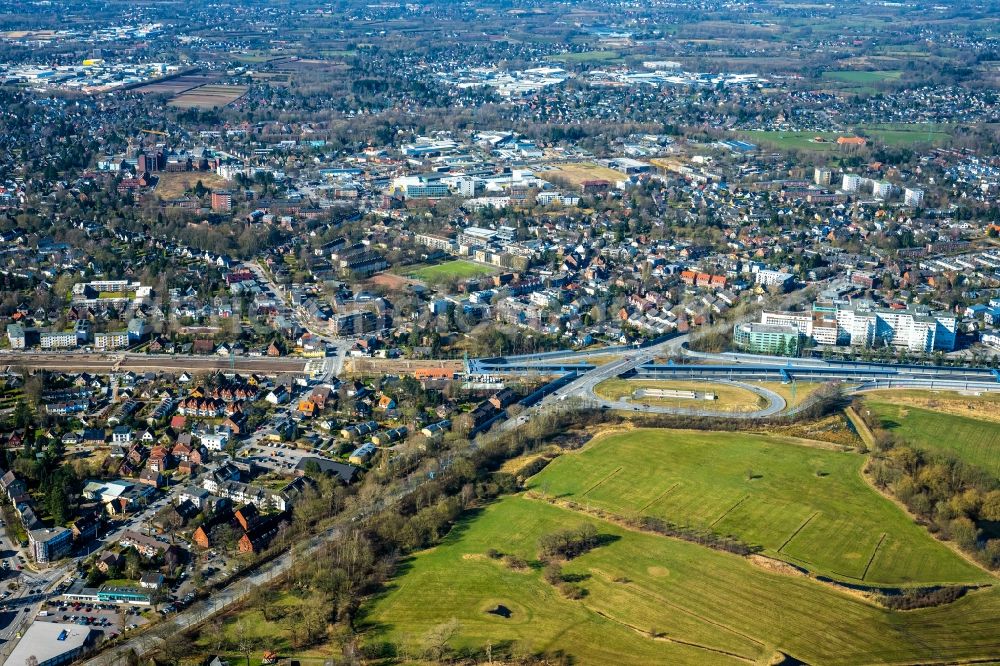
864 432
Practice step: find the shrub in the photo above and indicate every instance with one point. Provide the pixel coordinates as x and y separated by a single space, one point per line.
552 573
516 563
571 591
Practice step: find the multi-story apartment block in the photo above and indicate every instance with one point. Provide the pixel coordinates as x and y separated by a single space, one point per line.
914 329
767 338
57 339
851 182
112 340
913 196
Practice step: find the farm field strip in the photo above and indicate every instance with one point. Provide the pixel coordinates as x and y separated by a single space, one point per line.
208 96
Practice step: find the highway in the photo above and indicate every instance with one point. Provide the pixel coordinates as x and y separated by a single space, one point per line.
733 368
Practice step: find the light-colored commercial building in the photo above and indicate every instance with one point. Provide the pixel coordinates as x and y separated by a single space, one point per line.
913 329
767 339
51 644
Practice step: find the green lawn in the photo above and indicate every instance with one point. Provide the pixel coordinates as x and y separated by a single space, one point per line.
908 135
706 607
974 441
793 140
585 56
854 76
889 135
276 632
450 270
806 505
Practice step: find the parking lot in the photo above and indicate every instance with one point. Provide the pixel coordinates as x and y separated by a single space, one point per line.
276 457
109 618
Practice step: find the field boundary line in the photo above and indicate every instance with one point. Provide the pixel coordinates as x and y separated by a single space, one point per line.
749 660
729 510
950 545
658 497
799 529
594 487
871 559
653 596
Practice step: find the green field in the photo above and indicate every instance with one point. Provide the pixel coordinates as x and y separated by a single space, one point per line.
653 600
862 77
449 270
585 56
974 441
808 506
889 135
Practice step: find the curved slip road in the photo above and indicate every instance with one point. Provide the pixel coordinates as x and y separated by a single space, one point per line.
775 404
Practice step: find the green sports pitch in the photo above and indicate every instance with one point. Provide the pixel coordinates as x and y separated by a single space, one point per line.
449 270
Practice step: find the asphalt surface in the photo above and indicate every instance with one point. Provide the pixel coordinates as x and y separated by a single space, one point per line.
775 404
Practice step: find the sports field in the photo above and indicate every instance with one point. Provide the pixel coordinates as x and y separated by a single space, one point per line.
449 270
653 600
803 504
894 135
975 441
586 56
208 97
729 398
863 77
575 174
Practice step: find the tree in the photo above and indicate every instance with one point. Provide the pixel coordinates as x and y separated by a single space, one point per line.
436 640
990 509
133 563
964 532
245 643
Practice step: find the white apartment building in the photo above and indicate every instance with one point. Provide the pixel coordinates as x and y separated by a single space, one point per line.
851 182
913 196
57 339
882 189
112 340
768 278
864 326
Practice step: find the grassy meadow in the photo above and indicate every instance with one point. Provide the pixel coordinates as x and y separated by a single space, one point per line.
975 441
807 505
651 600
863 77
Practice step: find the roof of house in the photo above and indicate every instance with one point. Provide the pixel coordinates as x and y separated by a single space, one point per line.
346 473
